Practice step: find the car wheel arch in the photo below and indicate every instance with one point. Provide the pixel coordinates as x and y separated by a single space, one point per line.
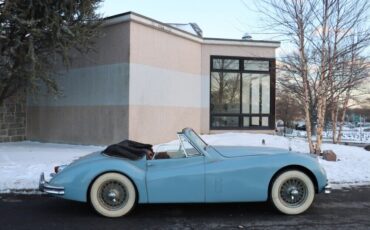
300 168
111 171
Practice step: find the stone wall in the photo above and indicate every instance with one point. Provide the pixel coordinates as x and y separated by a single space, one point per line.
13 119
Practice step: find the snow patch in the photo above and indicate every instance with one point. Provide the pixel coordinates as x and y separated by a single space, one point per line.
21 163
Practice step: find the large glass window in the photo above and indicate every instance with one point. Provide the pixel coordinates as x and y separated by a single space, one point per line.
241 93
256 65
225 121
265 93
255 93
225 64
225 92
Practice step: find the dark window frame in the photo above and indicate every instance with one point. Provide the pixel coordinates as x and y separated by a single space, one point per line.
272 74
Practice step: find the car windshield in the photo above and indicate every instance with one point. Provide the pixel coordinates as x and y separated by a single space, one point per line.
195 139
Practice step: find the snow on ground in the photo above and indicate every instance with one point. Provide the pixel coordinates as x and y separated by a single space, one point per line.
22 162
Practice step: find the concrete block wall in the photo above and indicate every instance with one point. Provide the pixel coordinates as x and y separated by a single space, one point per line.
13 119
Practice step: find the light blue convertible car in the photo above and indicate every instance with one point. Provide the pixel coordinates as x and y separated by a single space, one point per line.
192 172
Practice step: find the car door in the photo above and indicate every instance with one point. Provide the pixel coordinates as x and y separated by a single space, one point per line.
176 180
236 180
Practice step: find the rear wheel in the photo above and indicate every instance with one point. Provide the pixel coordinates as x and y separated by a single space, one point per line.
113 195
292 192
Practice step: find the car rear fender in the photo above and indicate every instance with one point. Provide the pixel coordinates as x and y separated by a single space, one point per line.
77 179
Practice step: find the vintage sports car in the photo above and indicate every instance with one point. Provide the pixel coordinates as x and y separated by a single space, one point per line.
128 173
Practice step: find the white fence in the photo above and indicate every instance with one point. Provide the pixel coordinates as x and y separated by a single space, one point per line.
357 136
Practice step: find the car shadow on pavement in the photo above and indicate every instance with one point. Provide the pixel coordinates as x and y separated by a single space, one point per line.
56 206
203 210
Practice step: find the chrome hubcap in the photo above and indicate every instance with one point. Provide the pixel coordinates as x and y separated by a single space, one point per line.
293 192
112 195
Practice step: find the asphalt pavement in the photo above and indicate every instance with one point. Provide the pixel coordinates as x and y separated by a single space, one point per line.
343 209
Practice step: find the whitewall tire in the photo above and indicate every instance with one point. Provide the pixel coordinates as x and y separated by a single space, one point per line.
113 195
292 192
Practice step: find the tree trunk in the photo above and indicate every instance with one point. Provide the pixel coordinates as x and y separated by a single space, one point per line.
320 123
333 62
334 120
322 87
342 118
304 74
307 116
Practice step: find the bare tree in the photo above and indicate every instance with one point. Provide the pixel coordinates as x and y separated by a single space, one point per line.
293 20
346 41
322 35
356 72
287 106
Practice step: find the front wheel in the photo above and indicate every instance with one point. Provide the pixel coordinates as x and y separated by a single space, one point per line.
292 192
113 195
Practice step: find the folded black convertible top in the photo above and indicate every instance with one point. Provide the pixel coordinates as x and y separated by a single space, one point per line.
128 149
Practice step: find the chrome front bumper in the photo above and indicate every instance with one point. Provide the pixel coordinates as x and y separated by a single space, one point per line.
45 187
327 189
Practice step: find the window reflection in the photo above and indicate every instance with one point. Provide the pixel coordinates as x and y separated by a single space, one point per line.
225 121
256 65
227 64
255 121
246 94
255 92
246 121
265 93
265 121
225 92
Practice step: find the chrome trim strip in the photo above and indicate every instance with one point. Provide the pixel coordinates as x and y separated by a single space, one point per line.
50 189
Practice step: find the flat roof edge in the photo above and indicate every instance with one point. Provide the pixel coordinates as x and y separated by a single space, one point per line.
240 42
132 16
249 40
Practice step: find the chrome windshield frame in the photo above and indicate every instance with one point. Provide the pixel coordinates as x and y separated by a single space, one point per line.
186 132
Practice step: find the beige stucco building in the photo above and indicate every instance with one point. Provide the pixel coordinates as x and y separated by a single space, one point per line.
147 80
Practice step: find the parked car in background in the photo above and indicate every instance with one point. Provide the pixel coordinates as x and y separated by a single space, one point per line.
115 180
300 127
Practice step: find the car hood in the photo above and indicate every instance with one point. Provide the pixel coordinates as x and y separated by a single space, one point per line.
239 151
